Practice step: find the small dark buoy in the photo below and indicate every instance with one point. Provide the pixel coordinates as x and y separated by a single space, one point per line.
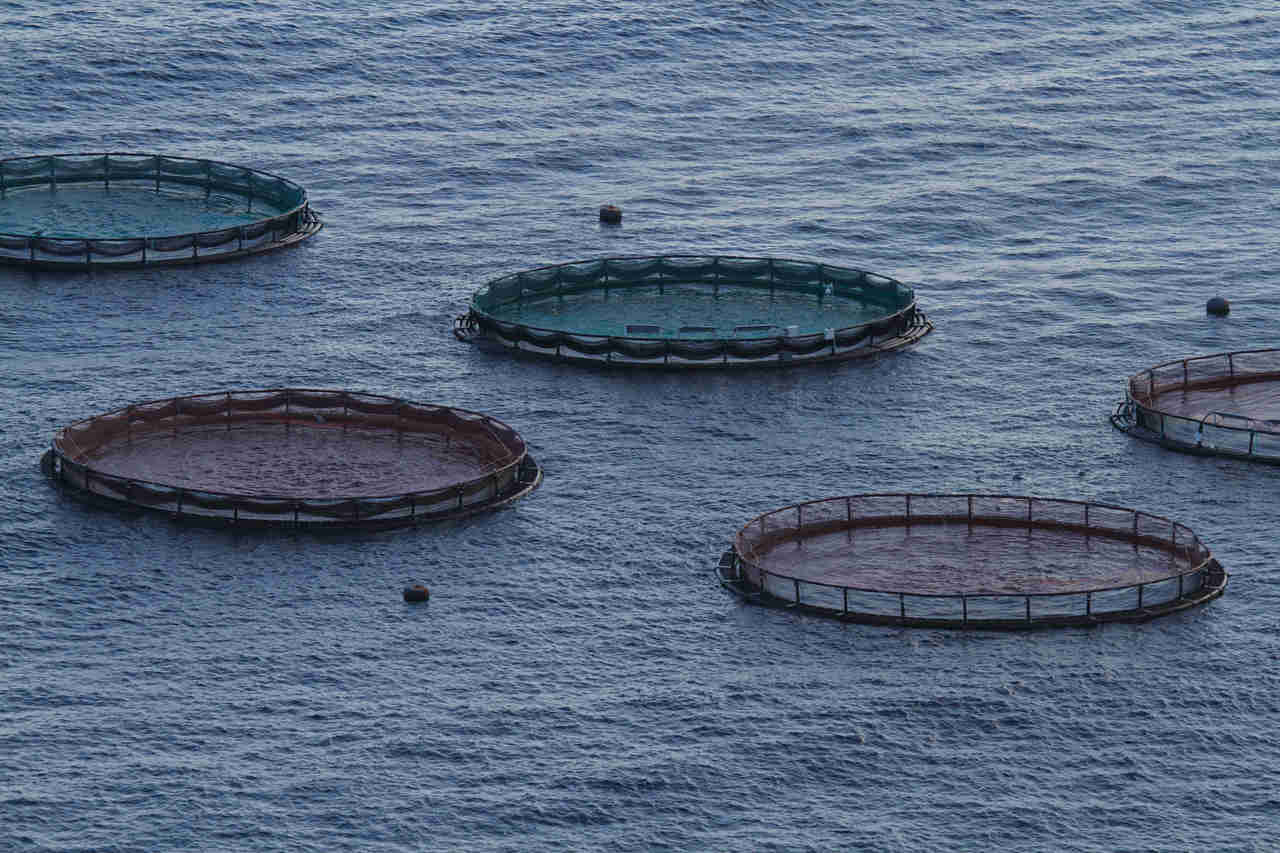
610 213
417 592
1218 306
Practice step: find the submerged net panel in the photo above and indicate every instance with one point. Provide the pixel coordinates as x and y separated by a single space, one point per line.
471 459
1226 404
997 561
252 210
582 310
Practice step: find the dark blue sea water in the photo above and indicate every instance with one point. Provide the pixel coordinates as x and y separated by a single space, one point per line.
1063 184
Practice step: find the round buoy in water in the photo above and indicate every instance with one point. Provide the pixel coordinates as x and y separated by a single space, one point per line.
1218 306
417 592
611 214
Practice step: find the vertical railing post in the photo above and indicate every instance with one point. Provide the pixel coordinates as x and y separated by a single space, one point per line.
797 583
846 600
1140 586
964 611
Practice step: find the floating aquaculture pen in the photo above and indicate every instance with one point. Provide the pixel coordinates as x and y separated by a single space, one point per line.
128 210
970 561
294 457
1226 404
694 311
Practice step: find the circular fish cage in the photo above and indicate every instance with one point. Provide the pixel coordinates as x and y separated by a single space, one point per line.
694 311
1226 404
970 561
79 211
294 457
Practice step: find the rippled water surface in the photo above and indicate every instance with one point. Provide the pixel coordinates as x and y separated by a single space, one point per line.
1064 186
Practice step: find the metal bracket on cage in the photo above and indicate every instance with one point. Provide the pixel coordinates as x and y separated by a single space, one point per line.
1122 419
465 326
528 471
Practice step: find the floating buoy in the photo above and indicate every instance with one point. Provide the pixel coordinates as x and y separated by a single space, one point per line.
610 213
417 592
1218 306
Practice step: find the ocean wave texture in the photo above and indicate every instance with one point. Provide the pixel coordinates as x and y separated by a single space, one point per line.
1063 185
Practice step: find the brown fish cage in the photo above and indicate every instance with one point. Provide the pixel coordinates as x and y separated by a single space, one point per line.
1226 404
294 457
970 561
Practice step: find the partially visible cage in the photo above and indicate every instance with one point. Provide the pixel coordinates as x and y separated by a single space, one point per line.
1226 404
113 210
